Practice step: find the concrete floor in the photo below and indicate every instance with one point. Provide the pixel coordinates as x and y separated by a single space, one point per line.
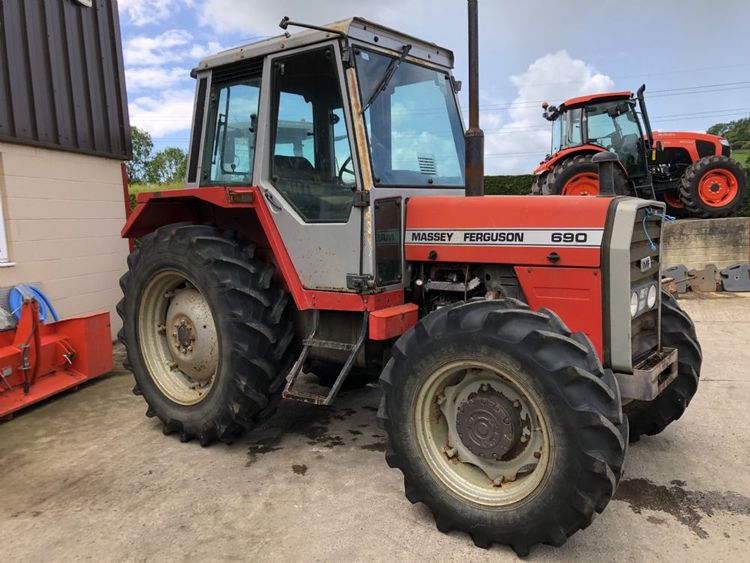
87 476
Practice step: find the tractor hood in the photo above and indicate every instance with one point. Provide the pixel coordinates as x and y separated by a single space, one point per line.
685 136
518 230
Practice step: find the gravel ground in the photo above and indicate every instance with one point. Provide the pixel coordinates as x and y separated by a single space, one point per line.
87 476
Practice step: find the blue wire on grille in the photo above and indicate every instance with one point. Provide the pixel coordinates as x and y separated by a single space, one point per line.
652 213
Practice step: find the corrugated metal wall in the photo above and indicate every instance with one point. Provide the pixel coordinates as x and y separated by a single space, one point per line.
62 83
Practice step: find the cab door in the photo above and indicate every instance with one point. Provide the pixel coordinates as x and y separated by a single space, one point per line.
305 164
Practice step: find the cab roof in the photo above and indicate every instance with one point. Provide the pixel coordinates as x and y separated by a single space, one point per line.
594 98
355 28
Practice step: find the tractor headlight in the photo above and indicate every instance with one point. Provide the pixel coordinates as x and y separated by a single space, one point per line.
634 304
650 298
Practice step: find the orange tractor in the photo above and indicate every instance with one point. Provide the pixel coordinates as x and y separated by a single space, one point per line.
691 172
334 216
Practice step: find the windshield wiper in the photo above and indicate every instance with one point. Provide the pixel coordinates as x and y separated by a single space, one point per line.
389 72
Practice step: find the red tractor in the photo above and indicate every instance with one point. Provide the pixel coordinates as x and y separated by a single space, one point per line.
691 172
334 216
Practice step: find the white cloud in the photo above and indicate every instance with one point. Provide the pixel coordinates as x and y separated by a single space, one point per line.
143 12
163 48
554 77
198 52
163 114
154 77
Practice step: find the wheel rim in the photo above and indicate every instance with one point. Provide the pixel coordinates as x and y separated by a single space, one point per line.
482 433
584 183
673 201
718 187
178 338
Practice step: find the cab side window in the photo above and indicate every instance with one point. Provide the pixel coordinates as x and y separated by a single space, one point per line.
310 149
229 150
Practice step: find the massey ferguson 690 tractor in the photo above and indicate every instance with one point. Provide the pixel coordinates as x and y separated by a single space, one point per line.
334 215
691 172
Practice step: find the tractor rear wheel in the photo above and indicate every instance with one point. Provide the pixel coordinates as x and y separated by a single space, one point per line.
677 331
504 423
579 175
675 207
537 187
714 186
206 331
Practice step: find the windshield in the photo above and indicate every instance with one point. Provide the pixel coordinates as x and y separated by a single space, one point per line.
614 126
414 129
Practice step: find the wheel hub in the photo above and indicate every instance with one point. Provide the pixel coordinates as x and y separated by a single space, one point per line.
488 424
192 337
482 432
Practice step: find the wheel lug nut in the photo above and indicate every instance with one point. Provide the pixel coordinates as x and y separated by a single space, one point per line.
524 439
172 365
517 404
450 452
161 328
440 399
497 482
168 294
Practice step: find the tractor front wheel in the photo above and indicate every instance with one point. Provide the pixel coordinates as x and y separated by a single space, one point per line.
206 331
714 186
579 175
503 423
677 331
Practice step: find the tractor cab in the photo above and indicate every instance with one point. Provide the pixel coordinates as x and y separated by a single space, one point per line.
323 121
604 121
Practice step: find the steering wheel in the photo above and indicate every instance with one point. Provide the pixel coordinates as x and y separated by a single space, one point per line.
344 170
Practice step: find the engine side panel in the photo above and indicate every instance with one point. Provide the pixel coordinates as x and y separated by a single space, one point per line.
687 141
573 293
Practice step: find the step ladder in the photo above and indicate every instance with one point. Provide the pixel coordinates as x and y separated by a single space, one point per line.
645 190
290 390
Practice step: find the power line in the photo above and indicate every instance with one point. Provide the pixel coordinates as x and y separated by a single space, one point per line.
642 74
701 89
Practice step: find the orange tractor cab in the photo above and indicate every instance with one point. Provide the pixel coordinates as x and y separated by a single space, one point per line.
691 172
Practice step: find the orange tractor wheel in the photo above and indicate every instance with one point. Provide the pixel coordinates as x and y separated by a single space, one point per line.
714 186
579 176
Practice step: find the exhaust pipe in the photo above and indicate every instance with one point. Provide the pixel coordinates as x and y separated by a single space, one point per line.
644 116
474 135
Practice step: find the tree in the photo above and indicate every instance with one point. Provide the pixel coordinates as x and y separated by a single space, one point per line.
167 166
142 147
737 132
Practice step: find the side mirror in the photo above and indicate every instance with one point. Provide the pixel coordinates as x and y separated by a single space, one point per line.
659 146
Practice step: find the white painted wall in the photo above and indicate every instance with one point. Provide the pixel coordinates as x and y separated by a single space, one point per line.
62 215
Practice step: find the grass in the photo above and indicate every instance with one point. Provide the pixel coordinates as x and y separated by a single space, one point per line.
742 156
139 188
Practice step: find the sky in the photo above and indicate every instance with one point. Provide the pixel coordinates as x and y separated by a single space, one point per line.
691 54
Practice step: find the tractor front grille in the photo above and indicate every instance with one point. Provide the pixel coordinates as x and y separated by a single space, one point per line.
645 271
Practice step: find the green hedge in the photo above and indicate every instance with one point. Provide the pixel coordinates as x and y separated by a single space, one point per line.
508 185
